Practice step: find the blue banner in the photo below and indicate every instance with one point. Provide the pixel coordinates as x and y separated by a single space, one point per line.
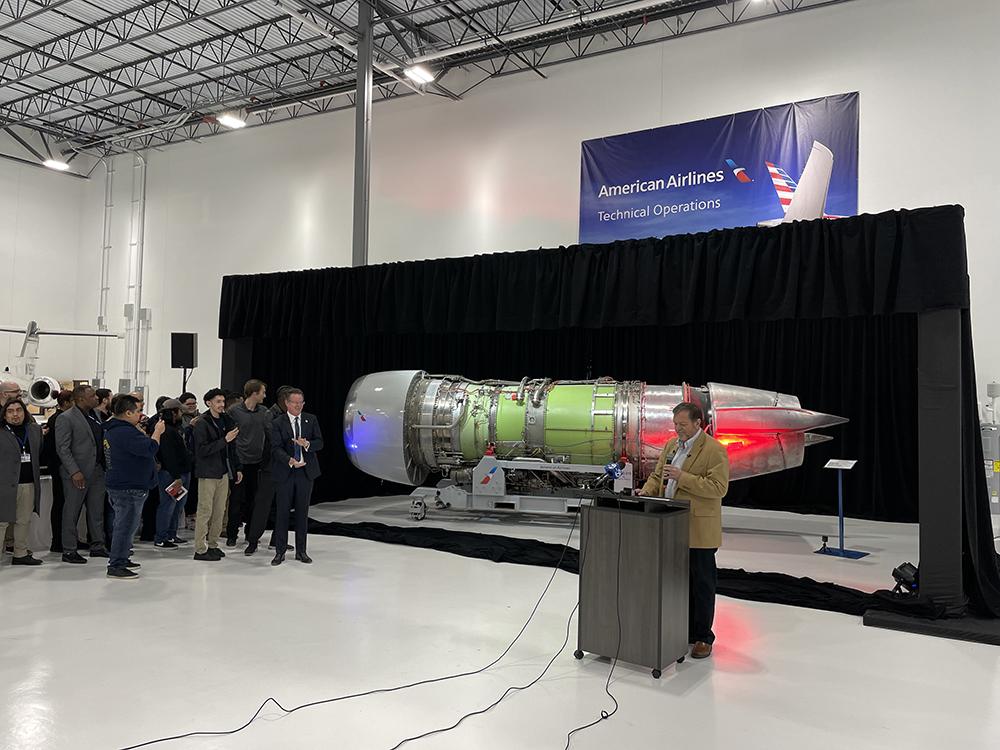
793 161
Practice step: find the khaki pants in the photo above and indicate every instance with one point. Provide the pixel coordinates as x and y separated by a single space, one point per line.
213 496
22 519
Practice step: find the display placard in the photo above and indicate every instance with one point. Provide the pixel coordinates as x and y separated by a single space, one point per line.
840 463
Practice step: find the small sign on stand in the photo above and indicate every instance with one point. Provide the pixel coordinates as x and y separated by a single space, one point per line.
841 465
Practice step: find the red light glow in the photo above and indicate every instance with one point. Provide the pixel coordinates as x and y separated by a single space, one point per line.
737 637
733 441
741 443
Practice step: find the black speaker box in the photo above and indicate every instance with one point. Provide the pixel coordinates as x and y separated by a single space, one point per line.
183 350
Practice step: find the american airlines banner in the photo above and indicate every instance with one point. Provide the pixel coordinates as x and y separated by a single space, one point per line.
765 166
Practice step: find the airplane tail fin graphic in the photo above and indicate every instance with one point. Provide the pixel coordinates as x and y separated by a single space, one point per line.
784 185
808 200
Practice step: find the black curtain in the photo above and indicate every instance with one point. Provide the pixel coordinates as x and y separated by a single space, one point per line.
895 262
823 310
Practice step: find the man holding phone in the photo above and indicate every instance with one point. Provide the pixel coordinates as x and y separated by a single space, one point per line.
216 462
131 462
174 473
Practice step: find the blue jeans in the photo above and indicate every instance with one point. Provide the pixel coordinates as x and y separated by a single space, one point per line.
128 513
109 519
169 512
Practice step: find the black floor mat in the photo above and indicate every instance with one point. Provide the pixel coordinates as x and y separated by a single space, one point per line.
775 588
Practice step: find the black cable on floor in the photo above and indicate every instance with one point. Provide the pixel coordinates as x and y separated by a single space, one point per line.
494 704
379 691
518 688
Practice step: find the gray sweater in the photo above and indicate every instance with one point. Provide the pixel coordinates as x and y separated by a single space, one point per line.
254 426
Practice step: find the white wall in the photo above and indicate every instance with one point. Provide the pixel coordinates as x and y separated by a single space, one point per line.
500 170
40 242
244 203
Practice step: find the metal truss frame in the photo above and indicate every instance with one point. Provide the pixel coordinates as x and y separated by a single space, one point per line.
109 76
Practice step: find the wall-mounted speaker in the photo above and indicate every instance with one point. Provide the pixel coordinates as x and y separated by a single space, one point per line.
183 350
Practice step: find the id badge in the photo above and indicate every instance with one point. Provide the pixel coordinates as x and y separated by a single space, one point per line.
25 458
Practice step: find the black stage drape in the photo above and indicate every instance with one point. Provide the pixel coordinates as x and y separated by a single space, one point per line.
824 310
895 262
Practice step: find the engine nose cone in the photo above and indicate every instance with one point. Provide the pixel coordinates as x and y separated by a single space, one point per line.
748 419
375 426
764 431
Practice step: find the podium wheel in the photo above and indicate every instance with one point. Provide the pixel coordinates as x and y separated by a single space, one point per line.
578 654
656 674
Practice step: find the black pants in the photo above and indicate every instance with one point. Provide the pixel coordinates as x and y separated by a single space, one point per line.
242 501
263 506
294 492
55 515
191 502
701 595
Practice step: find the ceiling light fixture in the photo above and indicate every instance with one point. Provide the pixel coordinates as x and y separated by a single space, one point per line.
419 74
56 164
231 120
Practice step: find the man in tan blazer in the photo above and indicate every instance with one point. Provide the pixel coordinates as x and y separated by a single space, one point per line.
694 467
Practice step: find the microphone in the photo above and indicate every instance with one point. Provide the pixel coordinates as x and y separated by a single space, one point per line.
612 471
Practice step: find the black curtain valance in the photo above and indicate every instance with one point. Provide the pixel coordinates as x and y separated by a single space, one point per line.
894 262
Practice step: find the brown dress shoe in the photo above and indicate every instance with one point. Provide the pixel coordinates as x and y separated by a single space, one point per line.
701 650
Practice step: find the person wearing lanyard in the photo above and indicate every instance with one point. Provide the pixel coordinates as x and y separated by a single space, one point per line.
8 390
20 487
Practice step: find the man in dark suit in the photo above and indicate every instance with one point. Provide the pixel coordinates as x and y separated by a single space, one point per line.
295 441
50 459
80 445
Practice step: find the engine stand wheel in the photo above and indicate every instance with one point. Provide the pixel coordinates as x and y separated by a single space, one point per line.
681 660
578 654
656 674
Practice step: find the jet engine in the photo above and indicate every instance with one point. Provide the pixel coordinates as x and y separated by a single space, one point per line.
42 392
403 425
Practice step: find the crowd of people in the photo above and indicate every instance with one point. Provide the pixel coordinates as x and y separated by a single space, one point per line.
237 464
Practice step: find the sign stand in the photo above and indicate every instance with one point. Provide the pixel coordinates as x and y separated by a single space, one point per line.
841 465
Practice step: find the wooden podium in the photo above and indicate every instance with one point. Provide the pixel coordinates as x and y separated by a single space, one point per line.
645 580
